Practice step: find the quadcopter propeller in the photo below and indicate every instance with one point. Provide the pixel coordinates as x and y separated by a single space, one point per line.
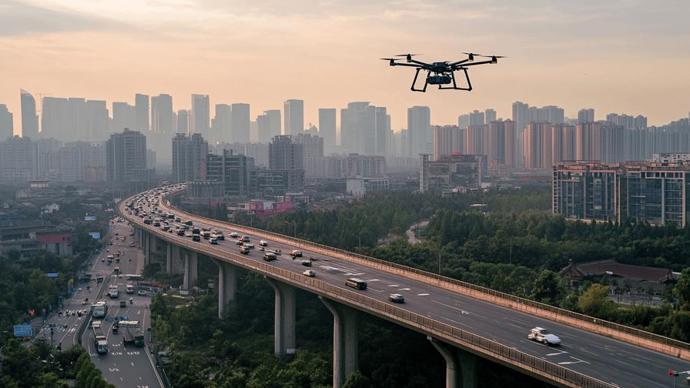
490 56
388 59
406 55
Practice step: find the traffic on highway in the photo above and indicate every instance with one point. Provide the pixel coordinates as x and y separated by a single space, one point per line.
606 359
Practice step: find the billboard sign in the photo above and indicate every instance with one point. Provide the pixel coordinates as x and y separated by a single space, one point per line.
23 330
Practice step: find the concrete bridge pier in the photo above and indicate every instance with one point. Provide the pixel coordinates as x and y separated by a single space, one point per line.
227 285
148 242
345 341
284 330
190 270
460 365
168 257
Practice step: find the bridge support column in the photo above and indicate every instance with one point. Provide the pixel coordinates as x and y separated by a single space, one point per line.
227 285
168 258
190 270
345 341
284 330
465 369
148 240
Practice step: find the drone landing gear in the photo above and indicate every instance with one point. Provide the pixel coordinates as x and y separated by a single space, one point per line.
414 81
455 85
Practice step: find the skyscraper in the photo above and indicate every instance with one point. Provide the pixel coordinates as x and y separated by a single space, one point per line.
141 103
222 123
585 116
189 155
124 116
268 125
520 115
477 118
97 119
419 130
183 116
382 129
240 122
489 116
18 159
201 114
29 117
293 111
463 121
6 123
162 113
126 157
358 127
327 128
447 140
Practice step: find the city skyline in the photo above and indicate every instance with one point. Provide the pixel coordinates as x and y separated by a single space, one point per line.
91 54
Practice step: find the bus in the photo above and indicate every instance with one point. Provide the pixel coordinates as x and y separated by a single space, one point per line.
99 309
356 283
133 277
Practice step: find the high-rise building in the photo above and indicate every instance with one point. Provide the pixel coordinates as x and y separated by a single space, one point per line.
18 160
29 117
312 145
235 171
285 154
495 145
563 143
124 116
97 120
382 129
74 119
474 139
537 146
183 118
520 116
293 111
489 116
419 130
585 116
162 114
477 118
6 123
201 114
240 121
358 127
126 158
268 125
327 128
447 140
189 155
80 162
222 123
141 104
464 121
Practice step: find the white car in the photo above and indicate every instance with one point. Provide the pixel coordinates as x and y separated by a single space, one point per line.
263 243
542 335
310 273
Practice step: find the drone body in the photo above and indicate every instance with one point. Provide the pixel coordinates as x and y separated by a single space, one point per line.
441 73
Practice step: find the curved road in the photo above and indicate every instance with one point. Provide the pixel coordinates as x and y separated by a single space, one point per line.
601 357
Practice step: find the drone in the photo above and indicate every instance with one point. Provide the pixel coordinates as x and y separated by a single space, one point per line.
441 73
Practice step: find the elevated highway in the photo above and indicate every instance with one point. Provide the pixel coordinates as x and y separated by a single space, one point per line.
463 321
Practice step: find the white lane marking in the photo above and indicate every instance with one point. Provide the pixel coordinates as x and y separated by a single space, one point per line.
577 361
393 285
463 312
354 274
374 280
404 289
423 294
557 353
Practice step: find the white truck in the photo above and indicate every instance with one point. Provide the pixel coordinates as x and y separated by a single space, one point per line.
99 310
100 340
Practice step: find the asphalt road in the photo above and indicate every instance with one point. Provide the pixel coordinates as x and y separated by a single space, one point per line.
601 357
124 366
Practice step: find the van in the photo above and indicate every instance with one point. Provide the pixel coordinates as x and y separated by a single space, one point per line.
356 283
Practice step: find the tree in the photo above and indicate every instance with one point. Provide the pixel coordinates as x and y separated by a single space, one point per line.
682 289
547 287
594 301
357 380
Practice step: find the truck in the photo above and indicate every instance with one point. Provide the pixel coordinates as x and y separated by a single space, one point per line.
100 340
130 288
132 333
99 310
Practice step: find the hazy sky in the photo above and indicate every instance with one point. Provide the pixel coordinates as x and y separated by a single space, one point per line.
626 56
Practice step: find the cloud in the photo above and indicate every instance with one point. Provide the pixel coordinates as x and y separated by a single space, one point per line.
22 18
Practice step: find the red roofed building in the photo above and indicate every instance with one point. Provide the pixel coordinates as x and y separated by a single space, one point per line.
59 243
618 274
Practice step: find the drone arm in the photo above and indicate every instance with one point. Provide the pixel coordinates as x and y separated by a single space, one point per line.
417 63
407 64
476 63
459 62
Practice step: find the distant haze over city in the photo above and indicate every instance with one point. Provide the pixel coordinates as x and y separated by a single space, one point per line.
618 56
